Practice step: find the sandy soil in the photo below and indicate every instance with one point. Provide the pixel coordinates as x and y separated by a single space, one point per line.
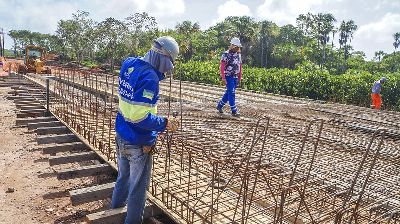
29 190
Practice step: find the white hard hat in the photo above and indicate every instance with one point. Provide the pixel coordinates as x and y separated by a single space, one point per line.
170 45
236 41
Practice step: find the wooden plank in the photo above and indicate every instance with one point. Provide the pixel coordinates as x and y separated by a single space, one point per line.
33 111
52 130
85 171
19 85
33 104
89 194
73 157
25 96
32 107
57 139
27 103
11 84
26 121
27 99
118 215
35 125
110 216
66 147
30 114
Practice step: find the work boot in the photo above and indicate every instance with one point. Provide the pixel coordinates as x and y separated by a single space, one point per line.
220 110
236 114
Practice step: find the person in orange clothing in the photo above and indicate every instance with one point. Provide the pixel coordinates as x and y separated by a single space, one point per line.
376 93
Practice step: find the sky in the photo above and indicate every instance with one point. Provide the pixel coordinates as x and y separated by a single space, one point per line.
377 20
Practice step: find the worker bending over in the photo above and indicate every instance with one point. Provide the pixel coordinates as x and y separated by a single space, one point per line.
137 124
376 93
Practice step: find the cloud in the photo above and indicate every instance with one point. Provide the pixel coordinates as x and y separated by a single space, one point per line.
231 8
43 16
285 11
156 8
378 35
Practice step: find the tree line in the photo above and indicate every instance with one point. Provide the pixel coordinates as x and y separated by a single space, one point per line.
316 39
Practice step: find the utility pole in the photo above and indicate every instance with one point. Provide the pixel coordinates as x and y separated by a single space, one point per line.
1 42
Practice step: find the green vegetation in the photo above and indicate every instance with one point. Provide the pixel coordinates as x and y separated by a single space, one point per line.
8 53
313 59
307 81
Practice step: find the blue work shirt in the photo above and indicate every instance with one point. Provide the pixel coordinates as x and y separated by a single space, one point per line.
376 88
137 121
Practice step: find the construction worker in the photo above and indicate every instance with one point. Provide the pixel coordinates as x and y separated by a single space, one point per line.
137 124
231 74
376 93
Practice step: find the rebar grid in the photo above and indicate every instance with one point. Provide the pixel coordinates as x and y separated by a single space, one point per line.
284 168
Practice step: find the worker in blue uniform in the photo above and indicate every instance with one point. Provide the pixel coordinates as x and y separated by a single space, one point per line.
137 124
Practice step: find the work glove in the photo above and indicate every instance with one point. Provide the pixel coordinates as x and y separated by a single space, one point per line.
149 149
172 124
223 82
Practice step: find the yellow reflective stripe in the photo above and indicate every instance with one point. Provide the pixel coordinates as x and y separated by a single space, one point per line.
135 113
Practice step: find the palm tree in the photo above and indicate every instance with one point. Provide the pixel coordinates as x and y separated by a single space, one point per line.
243 27
379 55
396 42
346 31
324 28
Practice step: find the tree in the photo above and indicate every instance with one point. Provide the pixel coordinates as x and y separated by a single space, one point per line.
324 28
111 40
186 33
318 27
288 54
243 27
15 37
77 35
346 30
396 42
305 23
142 31
21 39
379 55
268 35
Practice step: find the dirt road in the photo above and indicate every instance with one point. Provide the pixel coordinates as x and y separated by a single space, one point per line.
29 190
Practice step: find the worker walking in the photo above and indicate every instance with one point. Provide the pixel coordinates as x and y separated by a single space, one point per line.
376 93
137 124
231 74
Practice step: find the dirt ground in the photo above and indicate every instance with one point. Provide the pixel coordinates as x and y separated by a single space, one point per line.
29 189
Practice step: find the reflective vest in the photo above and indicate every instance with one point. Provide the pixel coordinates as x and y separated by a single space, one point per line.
137 121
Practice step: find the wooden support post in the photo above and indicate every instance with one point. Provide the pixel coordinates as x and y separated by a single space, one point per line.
89 194
30 114
20 97
85 171
33 111
73 157
45 124
47 97
73 146
26 121
33 104
57 139
118 215
26 103
31 107
52 130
